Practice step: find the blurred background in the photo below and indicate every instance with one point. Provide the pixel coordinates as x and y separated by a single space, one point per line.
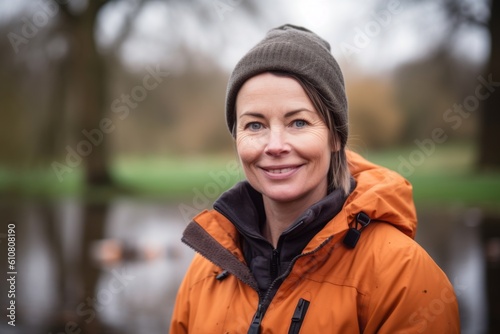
112 137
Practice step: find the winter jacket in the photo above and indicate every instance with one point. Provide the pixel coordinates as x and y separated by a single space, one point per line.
357 271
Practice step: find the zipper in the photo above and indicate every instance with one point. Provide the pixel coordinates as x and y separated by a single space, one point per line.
257 319
298 316
264 303
275 259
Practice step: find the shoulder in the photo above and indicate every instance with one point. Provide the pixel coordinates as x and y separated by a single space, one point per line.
391 248
386 238
404 284
199 271
389 262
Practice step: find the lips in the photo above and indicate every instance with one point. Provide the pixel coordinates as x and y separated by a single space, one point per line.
280 172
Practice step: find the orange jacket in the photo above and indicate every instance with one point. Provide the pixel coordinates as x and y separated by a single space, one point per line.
387 283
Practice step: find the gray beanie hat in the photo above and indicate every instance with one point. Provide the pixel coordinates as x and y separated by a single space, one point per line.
297 50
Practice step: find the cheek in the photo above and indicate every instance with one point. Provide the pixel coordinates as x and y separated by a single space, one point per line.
248 147
317 150
314 143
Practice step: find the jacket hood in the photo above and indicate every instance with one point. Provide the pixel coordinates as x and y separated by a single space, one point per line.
382 194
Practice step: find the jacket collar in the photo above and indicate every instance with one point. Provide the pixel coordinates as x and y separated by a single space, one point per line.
243 206
382 194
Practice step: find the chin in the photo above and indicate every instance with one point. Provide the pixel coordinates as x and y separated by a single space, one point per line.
282 193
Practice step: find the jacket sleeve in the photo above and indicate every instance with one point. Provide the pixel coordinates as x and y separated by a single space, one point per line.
411 294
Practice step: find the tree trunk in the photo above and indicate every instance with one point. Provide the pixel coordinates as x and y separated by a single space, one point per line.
489 137
90 75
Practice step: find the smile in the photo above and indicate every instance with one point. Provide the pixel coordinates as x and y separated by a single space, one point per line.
280 172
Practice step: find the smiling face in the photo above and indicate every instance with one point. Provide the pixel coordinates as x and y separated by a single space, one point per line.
283 144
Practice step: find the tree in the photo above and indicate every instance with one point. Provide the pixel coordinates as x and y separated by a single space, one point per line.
76 98
462 14
489 135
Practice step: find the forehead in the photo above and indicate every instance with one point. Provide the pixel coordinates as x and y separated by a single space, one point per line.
266 89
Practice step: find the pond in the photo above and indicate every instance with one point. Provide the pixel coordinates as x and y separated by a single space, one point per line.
139 263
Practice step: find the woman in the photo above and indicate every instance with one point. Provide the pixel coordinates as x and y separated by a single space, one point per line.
317 240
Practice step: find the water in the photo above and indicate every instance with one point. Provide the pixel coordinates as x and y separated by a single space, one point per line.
453 239
134 294
142 262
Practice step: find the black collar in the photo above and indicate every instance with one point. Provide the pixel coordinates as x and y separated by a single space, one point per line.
244 207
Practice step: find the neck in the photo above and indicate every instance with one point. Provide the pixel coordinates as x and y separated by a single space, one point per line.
280 215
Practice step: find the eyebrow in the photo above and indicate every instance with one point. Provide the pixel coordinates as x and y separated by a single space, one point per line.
288 114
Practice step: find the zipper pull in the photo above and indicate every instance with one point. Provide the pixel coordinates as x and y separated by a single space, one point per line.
298 316
257 319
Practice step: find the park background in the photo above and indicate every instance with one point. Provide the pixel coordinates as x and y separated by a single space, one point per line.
112 136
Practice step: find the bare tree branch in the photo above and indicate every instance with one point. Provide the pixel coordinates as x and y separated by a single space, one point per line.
128 25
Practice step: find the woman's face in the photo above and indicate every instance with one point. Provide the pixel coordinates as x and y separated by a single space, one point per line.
282 142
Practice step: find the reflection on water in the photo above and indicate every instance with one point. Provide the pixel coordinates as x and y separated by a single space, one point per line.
142 262
453 239
136 290
469 267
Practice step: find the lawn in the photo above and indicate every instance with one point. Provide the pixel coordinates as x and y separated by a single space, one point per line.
447 176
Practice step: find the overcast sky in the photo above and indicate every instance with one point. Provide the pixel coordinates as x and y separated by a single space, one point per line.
372 35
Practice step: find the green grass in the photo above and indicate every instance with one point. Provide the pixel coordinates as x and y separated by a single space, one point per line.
447 176
467 189
176 177
168 178
39 182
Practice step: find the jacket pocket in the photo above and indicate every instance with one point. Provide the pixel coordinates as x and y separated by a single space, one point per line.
298 316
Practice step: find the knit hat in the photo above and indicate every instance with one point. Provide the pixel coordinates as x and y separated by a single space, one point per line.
297 50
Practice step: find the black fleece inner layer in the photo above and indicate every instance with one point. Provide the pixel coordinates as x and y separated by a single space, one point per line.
244 207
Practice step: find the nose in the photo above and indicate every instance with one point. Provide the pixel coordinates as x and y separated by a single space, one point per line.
276 143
